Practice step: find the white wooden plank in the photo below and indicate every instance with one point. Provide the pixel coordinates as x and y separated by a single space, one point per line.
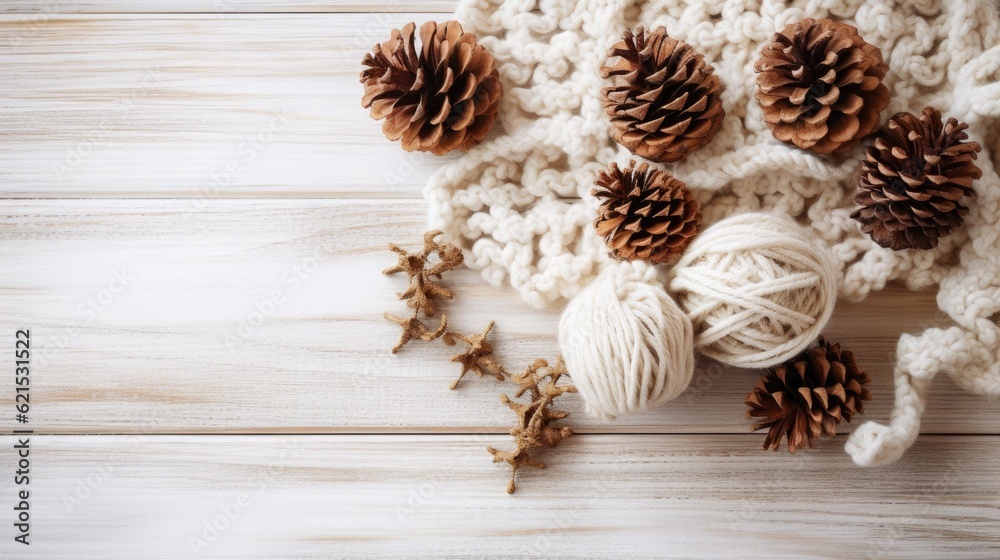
184 348
182 105
381 496
220 7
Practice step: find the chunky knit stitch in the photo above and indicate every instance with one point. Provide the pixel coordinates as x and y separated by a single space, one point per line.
520 205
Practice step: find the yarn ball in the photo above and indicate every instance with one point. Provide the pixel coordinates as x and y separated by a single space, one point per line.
757 288
628 347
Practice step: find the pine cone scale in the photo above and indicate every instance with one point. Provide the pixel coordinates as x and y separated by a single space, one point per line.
844 127
850 104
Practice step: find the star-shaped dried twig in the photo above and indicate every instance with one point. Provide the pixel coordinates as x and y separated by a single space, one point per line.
528 380
534 420
421 291
477 358
414 328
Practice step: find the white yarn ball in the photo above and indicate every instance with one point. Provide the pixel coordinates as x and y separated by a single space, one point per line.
627 345
757 288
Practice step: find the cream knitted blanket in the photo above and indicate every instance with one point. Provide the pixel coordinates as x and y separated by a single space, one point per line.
520 205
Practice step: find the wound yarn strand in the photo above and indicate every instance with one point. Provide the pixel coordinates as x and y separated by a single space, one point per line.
757 289
627 345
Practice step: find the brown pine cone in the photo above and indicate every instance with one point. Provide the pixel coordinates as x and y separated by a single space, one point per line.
664 99
806 397
645 214
820 86
913 180
441 98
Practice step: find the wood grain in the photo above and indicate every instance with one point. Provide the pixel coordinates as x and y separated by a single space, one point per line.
182 105
248 302
637 496
265 316
221 7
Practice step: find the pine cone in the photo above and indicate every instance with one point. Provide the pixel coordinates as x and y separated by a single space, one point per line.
442 98
645 213
820 85
913 180
806 397
664 99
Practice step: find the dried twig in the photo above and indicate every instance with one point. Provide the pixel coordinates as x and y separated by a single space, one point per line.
413 328
535 427
422 291
477 358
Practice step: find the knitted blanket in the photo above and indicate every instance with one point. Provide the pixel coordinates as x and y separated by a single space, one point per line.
520 202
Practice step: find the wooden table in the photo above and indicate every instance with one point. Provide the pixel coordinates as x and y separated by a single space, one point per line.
196 219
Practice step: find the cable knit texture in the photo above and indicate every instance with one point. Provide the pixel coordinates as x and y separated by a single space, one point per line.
510 201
